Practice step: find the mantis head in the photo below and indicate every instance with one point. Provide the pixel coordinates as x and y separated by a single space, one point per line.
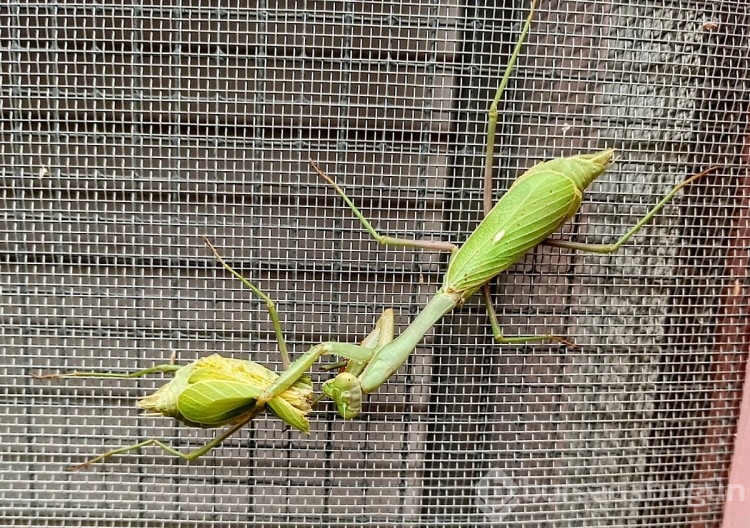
346 391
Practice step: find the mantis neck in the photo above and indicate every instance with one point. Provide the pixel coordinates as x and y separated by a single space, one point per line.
390 357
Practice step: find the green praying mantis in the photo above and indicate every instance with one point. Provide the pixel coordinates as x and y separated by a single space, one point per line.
217 391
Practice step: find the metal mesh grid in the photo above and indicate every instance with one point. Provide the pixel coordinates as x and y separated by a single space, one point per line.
128 129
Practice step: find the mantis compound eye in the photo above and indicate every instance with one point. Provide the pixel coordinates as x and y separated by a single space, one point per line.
346 391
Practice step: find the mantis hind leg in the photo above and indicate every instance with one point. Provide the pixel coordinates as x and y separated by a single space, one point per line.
515 340
492 120
192 455
487 202
435 245
611 248
166 367
270 305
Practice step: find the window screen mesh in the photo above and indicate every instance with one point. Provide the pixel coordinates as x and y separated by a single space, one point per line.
129 129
